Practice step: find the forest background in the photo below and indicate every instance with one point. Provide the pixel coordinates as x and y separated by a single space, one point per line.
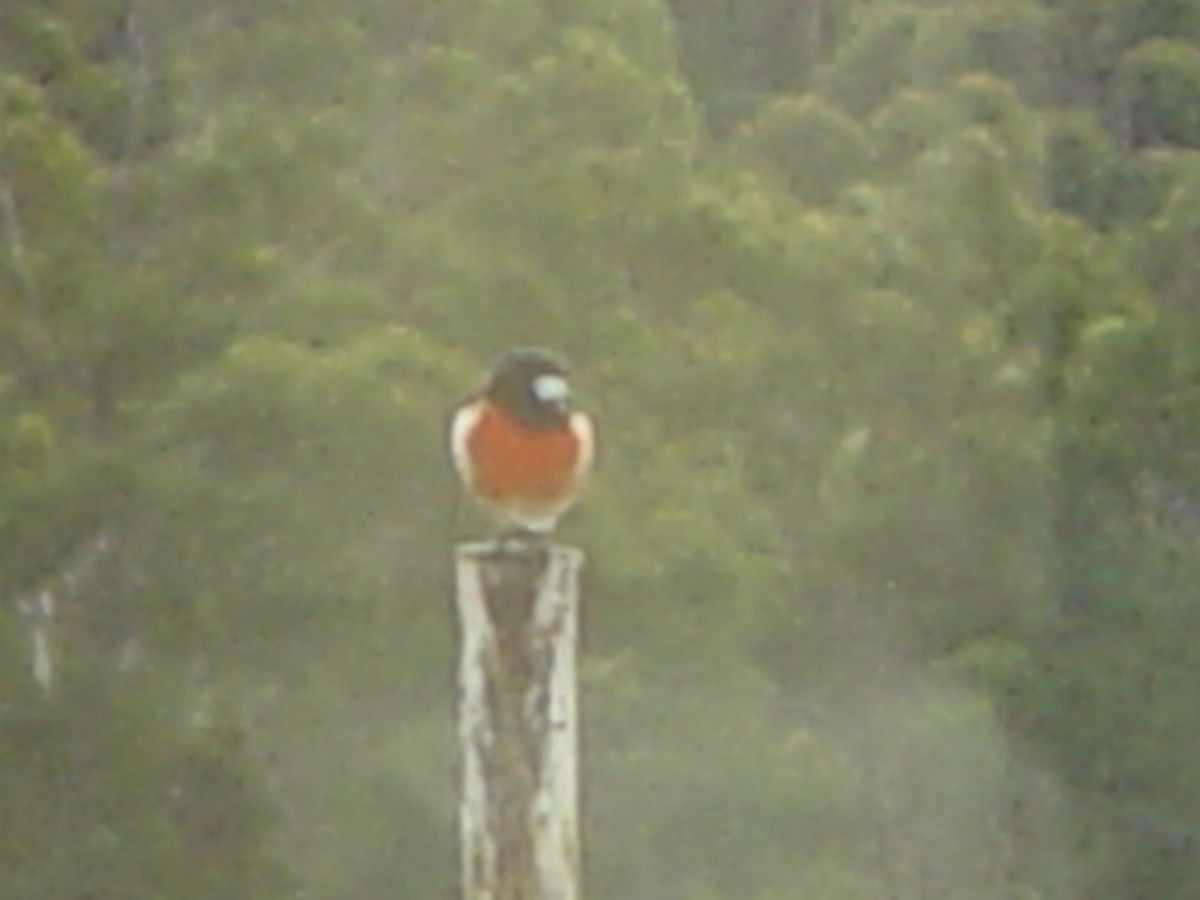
888 313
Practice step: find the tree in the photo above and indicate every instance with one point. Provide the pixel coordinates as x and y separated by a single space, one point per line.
1160 89
874 61
1082 167
912 123
894 498
815 150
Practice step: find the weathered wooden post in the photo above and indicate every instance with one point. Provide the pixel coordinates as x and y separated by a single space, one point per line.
519 816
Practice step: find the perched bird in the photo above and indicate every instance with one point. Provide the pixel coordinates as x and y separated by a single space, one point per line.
518 445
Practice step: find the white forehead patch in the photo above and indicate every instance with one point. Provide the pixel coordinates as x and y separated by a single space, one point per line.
551 388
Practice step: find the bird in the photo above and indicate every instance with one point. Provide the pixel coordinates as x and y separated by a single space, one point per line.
518 445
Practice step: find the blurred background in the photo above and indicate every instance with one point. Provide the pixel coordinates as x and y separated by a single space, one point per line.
889 316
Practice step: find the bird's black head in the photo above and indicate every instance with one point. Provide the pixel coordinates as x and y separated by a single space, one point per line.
530 384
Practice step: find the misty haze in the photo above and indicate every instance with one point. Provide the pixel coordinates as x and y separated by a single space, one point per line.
887 316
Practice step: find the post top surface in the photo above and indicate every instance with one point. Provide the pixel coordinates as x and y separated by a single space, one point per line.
507 548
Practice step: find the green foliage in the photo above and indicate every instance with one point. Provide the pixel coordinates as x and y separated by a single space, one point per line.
902 46
1082 166
885 314
1005 40
874 62
1178 19
705 810
1161 91
343 422
105 794
814 149
912 123
733 55
982 101
1166 242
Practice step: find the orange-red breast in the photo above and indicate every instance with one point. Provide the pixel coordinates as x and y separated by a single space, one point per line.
518 445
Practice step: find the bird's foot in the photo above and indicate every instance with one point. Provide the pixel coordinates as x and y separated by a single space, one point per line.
521 541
